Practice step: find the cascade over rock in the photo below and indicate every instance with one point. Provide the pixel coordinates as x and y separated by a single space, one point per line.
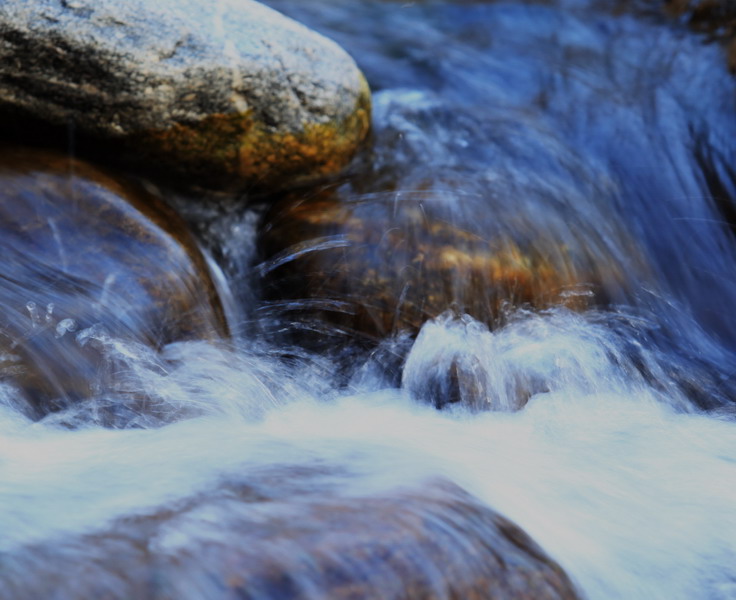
87 256
381 264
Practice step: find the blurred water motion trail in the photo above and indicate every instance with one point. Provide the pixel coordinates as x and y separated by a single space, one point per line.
555 125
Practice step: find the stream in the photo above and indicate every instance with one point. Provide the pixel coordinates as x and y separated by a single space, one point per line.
601 138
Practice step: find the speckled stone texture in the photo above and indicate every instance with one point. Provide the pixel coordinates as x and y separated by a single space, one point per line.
225 95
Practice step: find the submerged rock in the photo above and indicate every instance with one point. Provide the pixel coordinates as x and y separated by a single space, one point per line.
428 542
713 16
89 259
222 95
380 264
716 18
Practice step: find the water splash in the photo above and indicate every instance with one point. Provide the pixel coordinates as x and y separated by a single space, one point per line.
585 429
609 474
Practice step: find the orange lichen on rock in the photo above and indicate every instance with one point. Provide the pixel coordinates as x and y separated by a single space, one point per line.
389 267
237 151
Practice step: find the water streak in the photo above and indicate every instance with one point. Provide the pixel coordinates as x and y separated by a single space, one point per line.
608 434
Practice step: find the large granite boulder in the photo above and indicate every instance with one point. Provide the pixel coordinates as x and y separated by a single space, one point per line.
89 260
428 542
223 95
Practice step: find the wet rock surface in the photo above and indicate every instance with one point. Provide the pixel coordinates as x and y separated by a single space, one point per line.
229 95
380 264
89 258
269 539
716 18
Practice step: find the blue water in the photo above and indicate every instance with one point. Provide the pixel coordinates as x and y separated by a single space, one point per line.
608 433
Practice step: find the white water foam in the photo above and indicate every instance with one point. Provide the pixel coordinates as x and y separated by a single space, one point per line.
633 496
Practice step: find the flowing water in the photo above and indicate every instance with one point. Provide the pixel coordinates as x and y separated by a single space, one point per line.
561 122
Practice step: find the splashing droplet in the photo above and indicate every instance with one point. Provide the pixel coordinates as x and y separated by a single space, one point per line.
64 326
50 312
33 311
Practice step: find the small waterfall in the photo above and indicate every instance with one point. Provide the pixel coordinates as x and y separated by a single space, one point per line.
522 288
609 474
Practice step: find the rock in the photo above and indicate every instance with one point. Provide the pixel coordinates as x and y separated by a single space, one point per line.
713 16
429 542
88 258
460 380
224 95
716 18
380 264
458 361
